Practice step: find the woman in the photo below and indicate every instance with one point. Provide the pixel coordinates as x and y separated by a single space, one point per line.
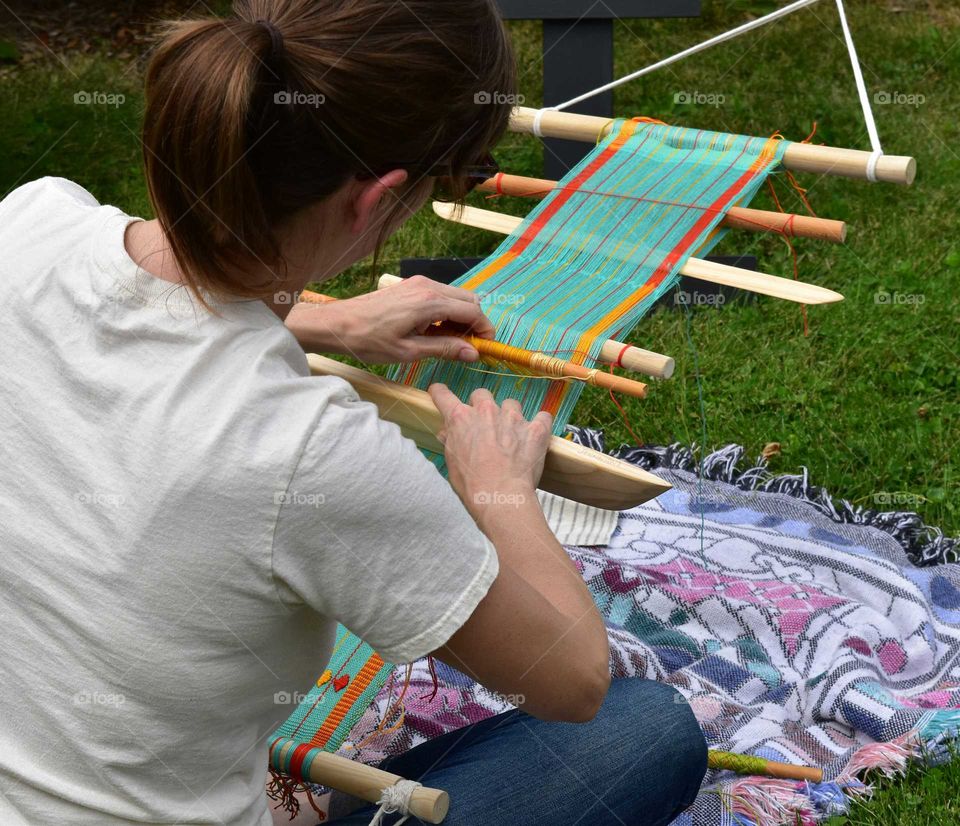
186 513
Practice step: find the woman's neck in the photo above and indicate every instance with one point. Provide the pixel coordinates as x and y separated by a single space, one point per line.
147 245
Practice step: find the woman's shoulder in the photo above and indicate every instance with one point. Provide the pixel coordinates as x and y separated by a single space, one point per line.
46 192
47 217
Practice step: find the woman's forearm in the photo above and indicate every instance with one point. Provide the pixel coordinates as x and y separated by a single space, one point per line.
513 520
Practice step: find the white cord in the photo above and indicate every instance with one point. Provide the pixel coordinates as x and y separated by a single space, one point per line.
713 41
538 120
395 800
864 97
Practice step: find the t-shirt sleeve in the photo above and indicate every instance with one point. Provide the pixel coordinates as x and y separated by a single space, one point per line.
370 534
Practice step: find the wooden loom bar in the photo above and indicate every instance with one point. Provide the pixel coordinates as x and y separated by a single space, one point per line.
750 220
571 470
634 359
800 157
368 783
756 282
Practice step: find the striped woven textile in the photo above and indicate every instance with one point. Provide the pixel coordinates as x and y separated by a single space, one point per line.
591 259
585 266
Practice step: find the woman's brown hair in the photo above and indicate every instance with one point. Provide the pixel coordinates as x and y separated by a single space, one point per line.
254 117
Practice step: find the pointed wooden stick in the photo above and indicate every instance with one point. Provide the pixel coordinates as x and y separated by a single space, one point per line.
748 764
571 471
750 220
626 356
800 157
756 282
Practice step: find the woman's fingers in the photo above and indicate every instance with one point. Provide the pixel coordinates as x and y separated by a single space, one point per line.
456 293
446 402
450 348
469 316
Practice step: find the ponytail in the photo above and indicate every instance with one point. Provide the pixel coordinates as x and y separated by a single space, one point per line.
247 122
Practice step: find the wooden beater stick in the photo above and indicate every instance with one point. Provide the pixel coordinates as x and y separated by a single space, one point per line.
751 220
634 359
570 470
755 282
800 157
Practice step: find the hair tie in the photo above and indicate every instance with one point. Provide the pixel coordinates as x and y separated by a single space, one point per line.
276 38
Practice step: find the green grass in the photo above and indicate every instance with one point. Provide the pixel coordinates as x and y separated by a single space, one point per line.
870 401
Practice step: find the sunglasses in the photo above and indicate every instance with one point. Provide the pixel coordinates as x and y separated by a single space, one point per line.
475 174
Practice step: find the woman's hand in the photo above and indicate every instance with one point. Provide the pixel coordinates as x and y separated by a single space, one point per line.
494 456
388 325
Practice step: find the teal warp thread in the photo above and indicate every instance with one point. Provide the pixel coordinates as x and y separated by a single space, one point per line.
590 260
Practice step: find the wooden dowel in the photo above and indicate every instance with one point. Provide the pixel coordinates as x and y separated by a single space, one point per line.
571 470
368 783
634 359
756 282
750 220
539 364
799 157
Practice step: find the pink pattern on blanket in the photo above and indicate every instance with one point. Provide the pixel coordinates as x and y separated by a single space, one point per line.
795 603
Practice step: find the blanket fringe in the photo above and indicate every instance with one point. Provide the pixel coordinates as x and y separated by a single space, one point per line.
922 543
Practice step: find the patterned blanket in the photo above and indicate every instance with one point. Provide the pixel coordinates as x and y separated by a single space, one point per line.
799 629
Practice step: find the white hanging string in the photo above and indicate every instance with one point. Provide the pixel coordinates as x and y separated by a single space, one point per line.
730 35
395 800
700 47
864 97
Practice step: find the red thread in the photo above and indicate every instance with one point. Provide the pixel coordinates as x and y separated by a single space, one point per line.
619 361
626 419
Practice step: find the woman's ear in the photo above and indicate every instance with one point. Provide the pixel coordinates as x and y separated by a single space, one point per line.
370 194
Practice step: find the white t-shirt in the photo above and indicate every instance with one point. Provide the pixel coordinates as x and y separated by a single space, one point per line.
184 514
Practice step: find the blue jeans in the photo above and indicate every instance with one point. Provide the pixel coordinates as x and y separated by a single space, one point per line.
639 761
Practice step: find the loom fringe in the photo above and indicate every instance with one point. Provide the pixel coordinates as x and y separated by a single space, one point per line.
923 544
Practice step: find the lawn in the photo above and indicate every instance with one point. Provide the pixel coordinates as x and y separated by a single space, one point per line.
869 401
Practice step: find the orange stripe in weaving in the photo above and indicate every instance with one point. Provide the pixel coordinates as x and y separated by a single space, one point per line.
768 153
357 686
563 195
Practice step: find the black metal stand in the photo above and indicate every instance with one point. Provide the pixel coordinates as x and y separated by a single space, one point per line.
578 56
